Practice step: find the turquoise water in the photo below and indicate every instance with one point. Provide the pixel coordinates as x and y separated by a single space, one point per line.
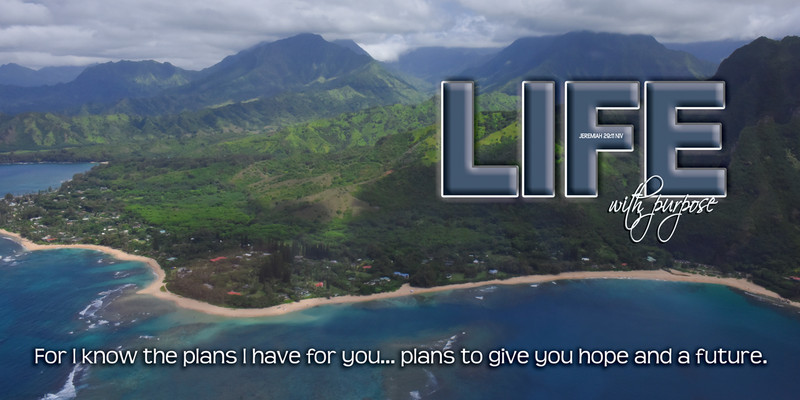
19 179
74 298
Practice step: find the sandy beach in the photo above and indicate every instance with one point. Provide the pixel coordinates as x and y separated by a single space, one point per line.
154 289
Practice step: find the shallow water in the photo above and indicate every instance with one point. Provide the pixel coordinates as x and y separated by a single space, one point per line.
64 299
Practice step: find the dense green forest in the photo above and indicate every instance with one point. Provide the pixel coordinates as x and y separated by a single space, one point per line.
359 188
315 193
324 204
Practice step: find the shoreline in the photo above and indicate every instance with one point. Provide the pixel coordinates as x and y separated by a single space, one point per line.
154 288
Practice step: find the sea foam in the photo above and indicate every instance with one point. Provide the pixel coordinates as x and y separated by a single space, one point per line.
68 391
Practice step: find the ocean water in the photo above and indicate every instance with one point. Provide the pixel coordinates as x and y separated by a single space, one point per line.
64 299
20 179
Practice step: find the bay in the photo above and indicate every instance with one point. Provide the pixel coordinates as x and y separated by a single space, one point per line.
63 299
19 179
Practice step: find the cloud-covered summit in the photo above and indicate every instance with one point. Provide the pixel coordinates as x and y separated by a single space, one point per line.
198 33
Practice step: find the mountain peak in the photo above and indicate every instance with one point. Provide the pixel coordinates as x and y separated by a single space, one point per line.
761 81
305 36
17 75
121 79
301 39
352 45
14 66
269 68
127 69
586 55
608 35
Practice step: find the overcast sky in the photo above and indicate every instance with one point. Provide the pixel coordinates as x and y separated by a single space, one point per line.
195 34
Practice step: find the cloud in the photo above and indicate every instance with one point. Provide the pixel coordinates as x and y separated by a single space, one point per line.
677 20
388 49
198 33
19 12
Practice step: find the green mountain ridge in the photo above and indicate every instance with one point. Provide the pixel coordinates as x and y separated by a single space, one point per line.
304 65
586 55
360 187
762 82
17 75
98 85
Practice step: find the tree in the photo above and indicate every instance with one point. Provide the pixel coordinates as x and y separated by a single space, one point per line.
424 278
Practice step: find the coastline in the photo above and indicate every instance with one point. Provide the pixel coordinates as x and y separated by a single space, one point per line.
154 288
118 254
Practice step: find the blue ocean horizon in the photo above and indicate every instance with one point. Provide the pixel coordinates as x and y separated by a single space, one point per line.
72 298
